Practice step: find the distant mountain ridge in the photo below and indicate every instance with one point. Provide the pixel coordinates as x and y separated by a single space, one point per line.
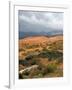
27 34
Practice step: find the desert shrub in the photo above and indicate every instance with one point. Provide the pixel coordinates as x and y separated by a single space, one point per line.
37 50
26 73
43 54
40 68
59 60
33 62
45 49
21 67
23 62
29 57
51 68
43 70
38 76
21 49
20 76
33 72
50 54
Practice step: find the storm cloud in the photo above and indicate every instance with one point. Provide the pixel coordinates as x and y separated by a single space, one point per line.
34 21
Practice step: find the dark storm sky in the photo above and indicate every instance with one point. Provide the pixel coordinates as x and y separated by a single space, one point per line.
30 21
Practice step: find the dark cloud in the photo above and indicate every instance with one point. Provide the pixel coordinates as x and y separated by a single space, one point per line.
31 21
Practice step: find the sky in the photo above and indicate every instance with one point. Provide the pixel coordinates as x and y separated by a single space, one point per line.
37 21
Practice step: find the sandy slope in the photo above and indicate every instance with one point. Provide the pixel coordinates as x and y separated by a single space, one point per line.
38 40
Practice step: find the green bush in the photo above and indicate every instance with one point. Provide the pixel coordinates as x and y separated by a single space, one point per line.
50 54
33 62
51 68
26 73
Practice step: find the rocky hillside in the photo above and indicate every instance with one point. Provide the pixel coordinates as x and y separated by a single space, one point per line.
41 56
